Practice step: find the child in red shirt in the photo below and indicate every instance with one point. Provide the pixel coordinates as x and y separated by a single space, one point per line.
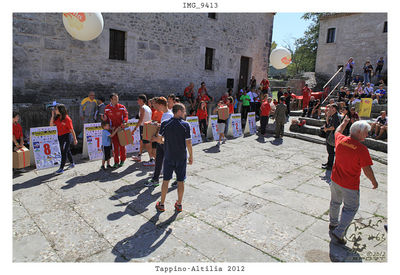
264 115
66 134
202 115
18 138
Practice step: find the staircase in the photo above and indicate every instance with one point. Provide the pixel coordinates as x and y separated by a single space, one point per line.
311 130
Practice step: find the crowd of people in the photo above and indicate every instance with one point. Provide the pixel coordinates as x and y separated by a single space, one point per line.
170 150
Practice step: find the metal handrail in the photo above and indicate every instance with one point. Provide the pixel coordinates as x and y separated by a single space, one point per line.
341 69
333 89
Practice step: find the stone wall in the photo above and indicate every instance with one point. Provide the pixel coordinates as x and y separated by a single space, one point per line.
164 52
359 36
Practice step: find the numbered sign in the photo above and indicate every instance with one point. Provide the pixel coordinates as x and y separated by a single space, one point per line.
130 148
45 147
92 137
251 127
194 129
235 127
212 130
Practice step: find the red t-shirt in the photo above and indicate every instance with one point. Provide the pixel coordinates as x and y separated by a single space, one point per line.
201 114
204 98
231 108
265 108
17 130
156 116
188 92
65 126
350 157
265 84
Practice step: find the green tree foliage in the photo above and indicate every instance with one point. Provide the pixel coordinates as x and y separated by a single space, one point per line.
304 54
273 45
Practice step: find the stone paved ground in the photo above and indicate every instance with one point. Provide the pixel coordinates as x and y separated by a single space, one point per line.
255 200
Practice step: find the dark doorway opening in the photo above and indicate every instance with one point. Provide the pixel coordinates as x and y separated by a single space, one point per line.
244 72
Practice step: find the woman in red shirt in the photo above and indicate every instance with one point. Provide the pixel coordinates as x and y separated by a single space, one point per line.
18 138
66 134
202 115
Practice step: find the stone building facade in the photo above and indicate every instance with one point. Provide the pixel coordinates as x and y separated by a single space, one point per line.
362 36
163 52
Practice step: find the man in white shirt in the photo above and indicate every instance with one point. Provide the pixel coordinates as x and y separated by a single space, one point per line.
162 106
253 95
144 116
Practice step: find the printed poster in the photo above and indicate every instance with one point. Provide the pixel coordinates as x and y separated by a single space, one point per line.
251 127
235 126
365 107
135 147
45 147
212 130
92 134
195 129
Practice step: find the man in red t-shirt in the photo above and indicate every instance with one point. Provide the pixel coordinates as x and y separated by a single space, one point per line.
264 115
118 116
351 157
189 94
264 85
306 96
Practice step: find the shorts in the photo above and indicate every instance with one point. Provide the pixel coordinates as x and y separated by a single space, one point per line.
179 166
221 128
141 136
154 145
107 152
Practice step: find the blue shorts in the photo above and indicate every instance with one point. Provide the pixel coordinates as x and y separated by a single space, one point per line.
179 166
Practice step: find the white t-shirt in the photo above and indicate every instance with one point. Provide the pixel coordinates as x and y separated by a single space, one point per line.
147 114
252 96
167 116
369 90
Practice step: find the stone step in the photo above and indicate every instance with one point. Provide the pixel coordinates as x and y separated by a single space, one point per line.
371 143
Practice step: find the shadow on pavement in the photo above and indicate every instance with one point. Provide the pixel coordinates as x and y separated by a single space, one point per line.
104 176
33 182
139 204
341 253
212 149
145 241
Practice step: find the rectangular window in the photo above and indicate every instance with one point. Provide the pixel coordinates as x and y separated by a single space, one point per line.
117 45
209 58
331 35
385 27
212 15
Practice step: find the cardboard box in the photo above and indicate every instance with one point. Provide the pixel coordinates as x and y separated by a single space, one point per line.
125 137
150 129
223 113
21 158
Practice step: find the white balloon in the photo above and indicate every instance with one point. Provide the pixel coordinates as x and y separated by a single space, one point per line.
280 58
83 26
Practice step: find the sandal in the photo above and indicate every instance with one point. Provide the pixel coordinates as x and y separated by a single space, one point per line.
160 207
178 207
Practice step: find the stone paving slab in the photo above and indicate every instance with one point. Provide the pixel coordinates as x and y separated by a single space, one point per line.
253 200
69 234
